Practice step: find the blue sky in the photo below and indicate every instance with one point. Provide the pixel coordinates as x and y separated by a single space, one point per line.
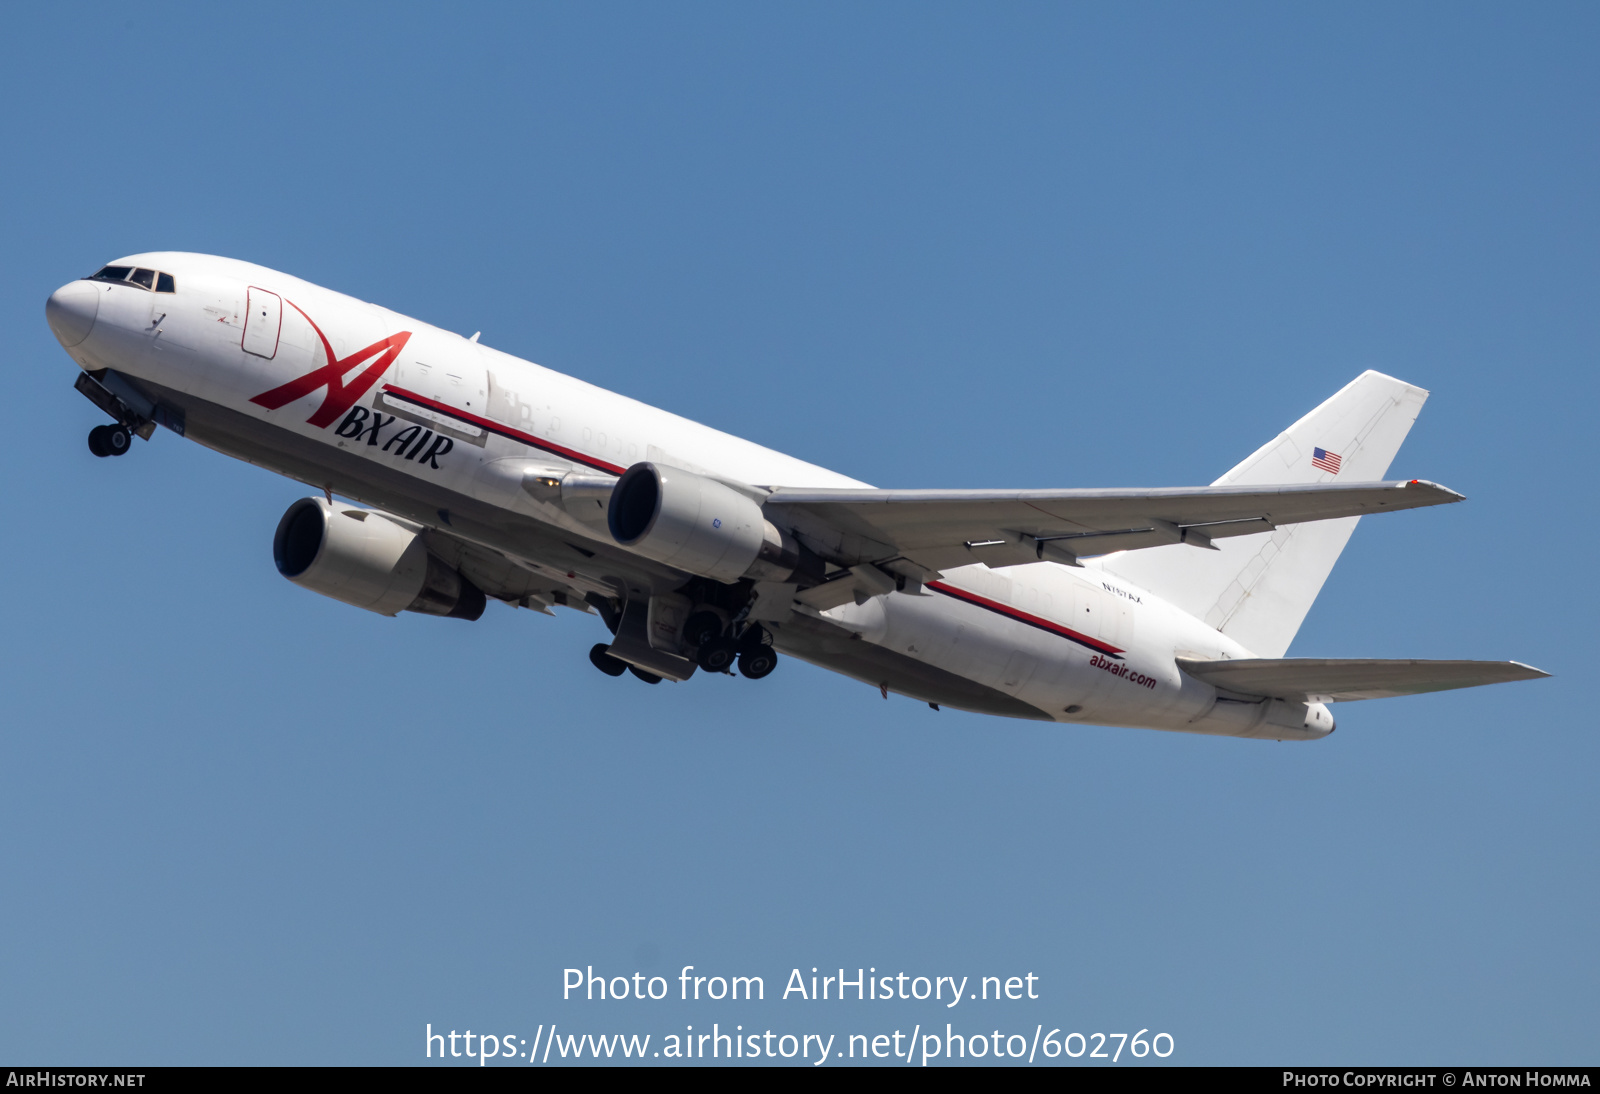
926 245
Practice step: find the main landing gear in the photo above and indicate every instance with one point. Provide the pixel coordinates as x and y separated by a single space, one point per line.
615 666
757 660
600 659
718 651
715 651
110 440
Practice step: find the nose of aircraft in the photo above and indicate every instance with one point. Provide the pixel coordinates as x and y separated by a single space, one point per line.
71 311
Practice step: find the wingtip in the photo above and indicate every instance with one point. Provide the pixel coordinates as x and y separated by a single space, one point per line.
1450 496
1532 673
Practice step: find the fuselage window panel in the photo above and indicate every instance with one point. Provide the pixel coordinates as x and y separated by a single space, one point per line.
113 273
143 278
165 283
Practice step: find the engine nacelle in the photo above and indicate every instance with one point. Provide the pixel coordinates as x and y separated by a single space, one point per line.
361 557
697 524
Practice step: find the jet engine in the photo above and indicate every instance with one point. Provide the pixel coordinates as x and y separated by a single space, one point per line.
362 557
697 524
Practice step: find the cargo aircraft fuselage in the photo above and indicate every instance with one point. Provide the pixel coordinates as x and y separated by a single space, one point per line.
449 474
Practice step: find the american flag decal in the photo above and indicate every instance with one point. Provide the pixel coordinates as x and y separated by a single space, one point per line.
1327 461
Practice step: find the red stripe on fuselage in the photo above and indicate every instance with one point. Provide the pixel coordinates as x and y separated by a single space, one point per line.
501 430
589 461
1023 617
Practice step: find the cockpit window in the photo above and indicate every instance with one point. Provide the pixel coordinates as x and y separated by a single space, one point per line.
145 279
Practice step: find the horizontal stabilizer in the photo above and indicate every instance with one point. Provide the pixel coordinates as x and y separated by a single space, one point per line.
1329 680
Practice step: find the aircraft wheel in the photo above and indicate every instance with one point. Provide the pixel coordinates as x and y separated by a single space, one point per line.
97 440
603 661
758 661
701 628
647 677
118 439
717 655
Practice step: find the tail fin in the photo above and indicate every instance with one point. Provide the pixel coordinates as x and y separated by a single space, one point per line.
1258 589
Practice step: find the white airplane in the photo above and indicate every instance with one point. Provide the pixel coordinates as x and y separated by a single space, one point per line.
480 475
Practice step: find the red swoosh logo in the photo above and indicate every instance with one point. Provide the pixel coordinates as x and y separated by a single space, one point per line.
341 396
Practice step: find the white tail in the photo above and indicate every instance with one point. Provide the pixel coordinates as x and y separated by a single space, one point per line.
1258 589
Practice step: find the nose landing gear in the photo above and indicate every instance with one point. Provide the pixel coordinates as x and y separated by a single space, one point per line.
110 440
134 412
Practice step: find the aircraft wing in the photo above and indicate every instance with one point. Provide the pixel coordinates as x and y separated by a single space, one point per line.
1327 680
939 529
519 581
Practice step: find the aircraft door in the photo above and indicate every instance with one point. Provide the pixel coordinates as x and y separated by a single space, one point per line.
1088 609
444 376
1101 614
1018 671
461 384
262 322
978 652
1118 625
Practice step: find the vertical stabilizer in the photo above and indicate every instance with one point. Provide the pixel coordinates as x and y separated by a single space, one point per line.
1258 589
